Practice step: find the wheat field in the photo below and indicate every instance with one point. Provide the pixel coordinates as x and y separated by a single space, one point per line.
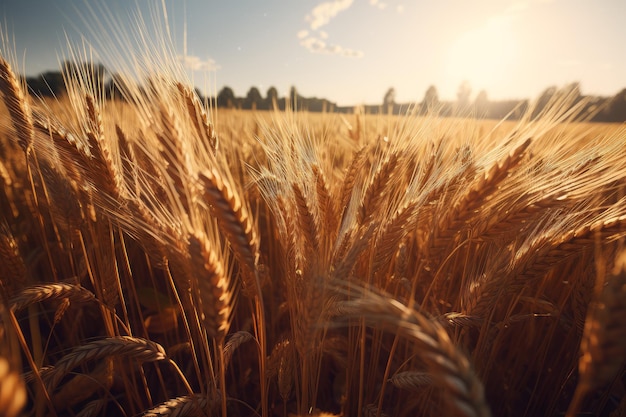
159 258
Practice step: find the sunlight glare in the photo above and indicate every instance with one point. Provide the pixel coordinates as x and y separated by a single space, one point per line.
484 56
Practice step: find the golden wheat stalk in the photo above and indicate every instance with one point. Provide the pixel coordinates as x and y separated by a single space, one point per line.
120 346
603 345
447 365
234 341
199 117
214 287
13 275
38 293
464 207
350 178
281 365
378 188
105 172
93 408
185 406
232 217
328 216
393 231
308 221
17 104
411 380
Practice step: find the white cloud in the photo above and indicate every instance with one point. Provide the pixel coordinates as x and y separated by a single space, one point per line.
324 12
319 46
320 16
195 63
314 44
381 5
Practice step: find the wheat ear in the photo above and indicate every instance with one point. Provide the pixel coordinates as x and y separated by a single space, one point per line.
393 231
307 220
181 406
199 117
19 110
350 177
234 341
232 218
213 286
378 188
328 216
281 365
39 293
120 346
411 380
93 408
448 366
536 261
464 208
13 274
603 345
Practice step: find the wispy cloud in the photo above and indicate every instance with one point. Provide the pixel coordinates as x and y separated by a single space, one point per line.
382 5
378 4
319 46
314 39
196 63
324 12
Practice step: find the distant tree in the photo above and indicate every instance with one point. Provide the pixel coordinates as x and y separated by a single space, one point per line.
315 104
115 87
253 99
91 75
481 105
463 98
199 94
271 98
542 103
508 109
573 89
389 100
616 109
431 100
47 84
226 98
293 98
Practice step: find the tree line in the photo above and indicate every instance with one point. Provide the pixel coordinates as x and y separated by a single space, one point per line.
600 109
593 108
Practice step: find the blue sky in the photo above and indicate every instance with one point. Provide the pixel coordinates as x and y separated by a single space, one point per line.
352 51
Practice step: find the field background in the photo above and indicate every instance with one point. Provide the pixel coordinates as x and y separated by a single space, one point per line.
160 258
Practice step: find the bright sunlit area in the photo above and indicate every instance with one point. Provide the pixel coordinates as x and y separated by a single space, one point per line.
485 56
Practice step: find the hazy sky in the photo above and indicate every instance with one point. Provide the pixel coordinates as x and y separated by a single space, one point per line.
352 51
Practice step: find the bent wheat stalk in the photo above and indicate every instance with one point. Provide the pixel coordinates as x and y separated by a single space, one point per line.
181 406
603 345
39 293
448 366
120 346
18 107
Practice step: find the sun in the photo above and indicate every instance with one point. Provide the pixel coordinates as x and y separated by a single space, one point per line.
484 56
